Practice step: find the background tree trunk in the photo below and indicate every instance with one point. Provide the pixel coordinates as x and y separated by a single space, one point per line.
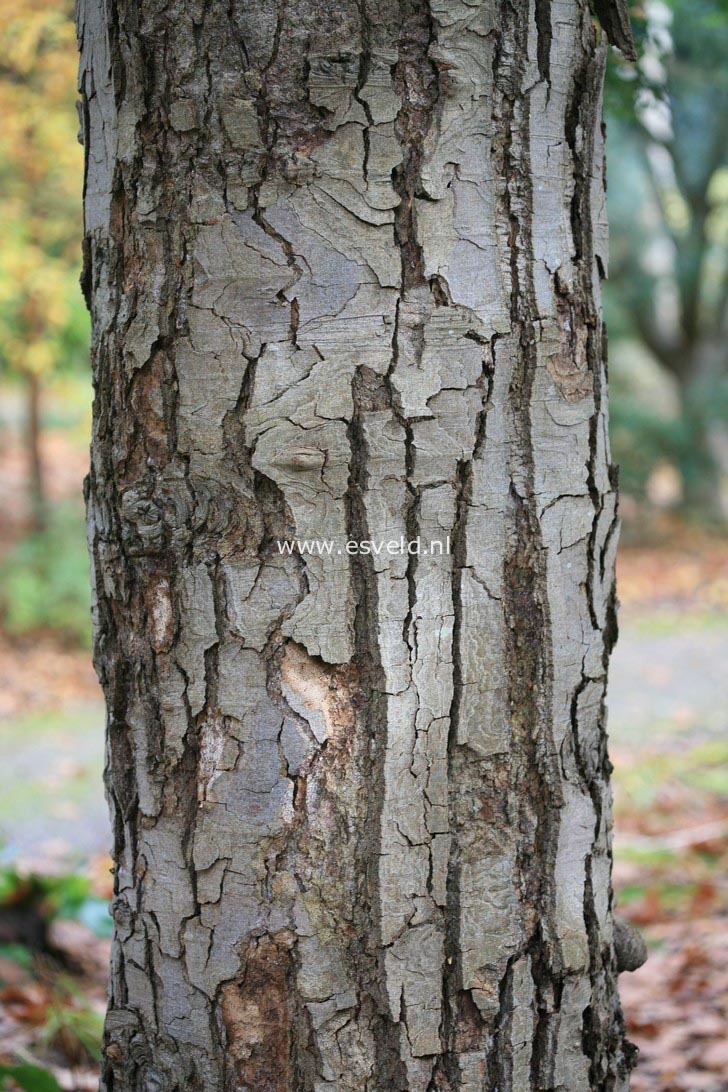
343 262
33 432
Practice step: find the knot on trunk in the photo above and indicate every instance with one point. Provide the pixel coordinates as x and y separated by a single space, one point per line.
629 946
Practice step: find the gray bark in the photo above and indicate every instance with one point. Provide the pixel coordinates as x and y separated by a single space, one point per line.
343 263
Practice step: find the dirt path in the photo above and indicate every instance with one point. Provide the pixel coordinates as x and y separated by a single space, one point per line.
677 678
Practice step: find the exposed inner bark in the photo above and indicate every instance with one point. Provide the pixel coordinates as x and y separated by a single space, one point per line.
254 1012
343 262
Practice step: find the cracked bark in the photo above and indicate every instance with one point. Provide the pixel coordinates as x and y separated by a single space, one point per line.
343 262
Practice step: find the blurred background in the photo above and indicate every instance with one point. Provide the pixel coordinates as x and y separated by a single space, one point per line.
667 313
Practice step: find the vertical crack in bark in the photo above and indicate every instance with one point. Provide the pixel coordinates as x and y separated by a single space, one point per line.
529 637
268 132
447 1068
365 63
370 395
602 1039
415 80
545 38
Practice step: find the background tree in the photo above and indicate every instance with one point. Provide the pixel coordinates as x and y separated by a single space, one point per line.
669 211
343 263
43 328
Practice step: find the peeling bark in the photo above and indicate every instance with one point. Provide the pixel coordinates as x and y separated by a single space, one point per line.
343 263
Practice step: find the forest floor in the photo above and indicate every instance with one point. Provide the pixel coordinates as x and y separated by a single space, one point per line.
668 728
668 717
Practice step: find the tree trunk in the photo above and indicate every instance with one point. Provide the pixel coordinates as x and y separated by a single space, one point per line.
36 479
703 450
343 263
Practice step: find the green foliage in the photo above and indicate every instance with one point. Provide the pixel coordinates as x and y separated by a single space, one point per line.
44 580
65 896
18 954
59 896
641 440
667 153
30 1078
70 1021
43 323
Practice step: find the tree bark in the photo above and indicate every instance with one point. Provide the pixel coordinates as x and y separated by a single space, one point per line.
343 263
36 477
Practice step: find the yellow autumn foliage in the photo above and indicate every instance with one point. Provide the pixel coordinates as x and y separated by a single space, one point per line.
43 324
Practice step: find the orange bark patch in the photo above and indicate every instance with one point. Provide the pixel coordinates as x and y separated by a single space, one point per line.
160 613
329 693
255 1016
567 364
